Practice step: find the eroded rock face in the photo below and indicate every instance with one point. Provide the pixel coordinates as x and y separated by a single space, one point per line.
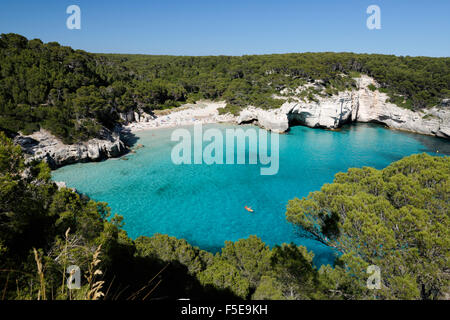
372 107
270 120
133 116
328 113
359 105
42 145
127 117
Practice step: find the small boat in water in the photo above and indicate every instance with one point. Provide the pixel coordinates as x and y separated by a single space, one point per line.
248 209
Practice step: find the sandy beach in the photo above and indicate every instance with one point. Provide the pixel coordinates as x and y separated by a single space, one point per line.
201 112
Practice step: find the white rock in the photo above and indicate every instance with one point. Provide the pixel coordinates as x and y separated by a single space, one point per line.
42 145
359 105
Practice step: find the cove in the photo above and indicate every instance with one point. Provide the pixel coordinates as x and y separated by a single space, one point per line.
204 204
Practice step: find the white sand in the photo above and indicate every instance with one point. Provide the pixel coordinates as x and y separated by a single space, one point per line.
200 112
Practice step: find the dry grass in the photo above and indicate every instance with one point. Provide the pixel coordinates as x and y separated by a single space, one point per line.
41 292
94 292
6 286
149 285
91 290
66 235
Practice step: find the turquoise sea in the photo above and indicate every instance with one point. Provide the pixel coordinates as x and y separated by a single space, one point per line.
204 204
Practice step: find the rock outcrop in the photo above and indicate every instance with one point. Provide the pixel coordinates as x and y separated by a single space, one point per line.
42 145
133 116
270 120
359 105
372 107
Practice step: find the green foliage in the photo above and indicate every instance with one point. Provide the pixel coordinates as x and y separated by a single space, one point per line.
268 289
171 249
250 256
65 227
11 161
411 82
396 218
69 92
223 275
294 271
74 94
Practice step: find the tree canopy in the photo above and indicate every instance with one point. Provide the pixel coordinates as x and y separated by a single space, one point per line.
74 93
396 218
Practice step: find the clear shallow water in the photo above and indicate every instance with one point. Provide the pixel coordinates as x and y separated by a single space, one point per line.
204 204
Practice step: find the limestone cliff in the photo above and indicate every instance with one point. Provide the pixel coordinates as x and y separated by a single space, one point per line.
358 105
42 145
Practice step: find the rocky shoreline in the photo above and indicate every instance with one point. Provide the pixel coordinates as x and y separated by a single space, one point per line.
43 146
358 105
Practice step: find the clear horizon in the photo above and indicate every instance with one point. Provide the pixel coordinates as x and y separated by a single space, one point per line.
235 28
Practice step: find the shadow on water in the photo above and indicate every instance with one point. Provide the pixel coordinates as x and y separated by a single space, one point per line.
435 145
128 137
124 172
162 189
208 248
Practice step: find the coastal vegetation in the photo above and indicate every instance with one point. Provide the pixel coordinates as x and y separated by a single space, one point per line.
395 218
74 94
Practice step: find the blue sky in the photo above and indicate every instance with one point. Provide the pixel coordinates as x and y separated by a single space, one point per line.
235 27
